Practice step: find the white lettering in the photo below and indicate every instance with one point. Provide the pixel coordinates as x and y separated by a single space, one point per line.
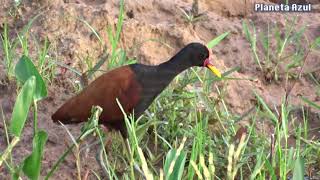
294 7
287 8
260 7
257 6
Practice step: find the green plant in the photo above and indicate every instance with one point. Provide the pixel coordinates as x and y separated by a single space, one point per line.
9 45
89 127
189 132
8 51
33 90
193 15
283 63
118 56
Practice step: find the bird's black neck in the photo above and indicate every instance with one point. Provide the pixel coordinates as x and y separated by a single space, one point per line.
174 66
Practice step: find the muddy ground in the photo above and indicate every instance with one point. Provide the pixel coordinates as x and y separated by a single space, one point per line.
144 20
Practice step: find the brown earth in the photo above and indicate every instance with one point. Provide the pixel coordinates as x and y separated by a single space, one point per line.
145 20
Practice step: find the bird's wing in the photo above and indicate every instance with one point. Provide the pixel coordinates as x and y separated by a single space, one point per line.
119 83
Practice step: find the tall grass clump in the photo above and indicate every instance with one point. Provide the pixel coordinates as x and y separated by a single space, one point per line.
13 44
283 50
7 50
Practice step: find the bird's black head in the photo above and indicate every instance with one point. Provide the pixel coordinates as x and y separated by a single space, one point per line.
197 53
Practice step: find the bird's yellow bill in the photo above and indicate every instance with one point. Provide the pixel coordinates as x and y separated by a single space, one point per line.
214 70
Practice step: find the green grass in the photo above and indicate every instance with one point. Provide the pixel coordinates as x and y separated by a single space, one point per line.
193 15
7 49
284 50
185 133
23 40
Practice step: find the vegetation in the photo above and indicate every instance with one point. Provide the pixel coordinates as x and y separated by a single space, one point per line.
175 138
282 52
193 15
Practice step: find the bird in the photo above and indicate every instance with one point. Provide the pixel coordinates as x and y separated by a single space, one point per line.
135 86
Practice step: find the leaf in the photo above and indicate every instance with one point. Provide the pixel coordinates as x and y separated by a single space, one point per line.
310 103
296 37
274 118
234 69
216 40
270 169
316 43
246 31
142 129
22 105
120 22
75 71
179 161
24 70
32 164
96 67
298 171
260 159
92 30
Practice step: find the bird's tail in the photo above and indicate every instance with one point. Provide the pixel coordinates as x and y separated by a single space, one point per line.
68 113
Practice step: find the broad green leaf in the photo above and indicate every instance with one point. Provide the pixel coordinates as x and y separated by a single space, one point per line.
32 164
24 70
169 158
22 105
298 172
175 172
216 40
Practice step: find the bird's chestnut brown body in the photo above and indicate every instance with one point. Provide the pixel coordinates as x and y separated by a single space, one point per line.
119 83
135 86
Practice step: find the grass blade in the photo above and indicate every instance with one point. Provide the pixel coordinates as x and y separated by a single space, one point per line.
96 67
216 40
298 172
93 30
310 103
246 31
316 43
273 117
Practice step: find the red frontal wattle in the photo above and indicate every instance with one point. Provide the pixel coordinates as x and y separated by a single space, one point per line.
206 62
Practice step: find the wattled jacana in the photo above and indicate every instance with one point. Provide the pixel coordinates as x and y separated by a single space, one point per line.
135 86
